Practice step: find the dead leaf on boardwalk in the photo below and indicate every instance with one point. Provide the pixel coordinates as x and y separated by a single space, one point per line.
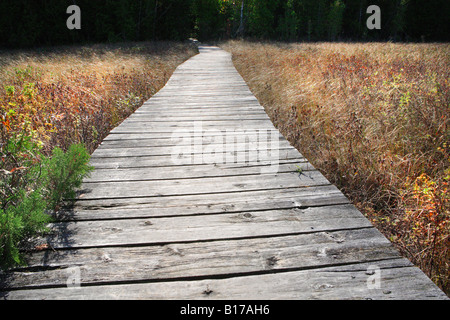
41 247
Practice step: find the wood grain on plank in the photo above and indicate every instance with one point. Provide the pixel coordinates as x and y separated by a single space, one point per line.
181 260
400 280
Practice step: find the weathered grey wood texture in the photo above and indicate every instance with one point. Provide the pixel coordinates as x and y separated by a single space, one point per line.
197 196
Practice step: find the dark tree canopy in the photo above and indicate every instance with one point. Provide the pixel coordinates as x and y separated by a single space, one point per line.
26 23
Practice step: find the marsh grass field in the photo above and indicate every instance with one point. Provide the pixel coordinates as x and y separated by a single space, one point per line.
56 106
374 119
73 94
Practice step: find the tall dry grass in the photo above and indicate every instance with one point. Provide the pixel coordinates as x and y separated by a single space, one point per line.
57 98
374 118
78 94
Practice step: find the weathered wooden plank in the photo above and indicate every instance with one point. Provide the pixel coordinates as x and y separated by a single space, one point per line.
169 119
236 98
200 112
147 207
195 148
398 280
123 189
169 134
137 209
82 234
272 158
171 141
190 171
210 107
206 103
260 123
255 125
173 98
180 260
197 89
187 115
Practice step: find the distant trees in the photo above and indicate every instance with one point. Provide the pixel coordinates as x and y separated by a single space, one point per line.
346 19
43 22
26 23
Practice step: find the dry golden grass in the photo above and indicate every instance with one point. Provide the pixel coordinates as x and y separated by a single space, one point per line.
374 118
60 97
78 94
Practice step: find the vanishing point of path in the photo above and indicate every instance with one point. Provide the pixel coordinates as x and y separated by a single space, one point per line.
198 196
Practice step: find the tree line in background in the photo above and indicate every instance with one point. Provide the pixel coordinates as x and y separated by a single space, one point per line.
25 23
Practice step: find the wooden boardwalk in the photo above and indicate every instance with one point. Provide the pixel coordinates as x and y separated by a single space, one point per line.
198 196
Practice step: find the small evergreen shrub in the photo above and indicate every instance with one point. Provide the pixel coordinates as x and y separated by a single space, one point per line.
32 185
62 173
